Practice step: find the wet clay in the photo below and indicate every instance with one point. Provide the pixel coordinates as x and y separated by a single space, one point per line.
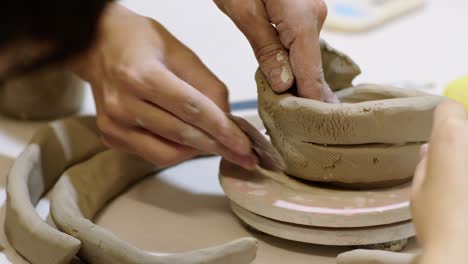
371 139
52 149
86 188
338 68
44 95
81 192
362 256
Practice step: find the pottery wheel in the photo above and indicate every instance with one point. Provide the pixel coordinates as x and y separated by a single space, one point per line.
324 235
313 205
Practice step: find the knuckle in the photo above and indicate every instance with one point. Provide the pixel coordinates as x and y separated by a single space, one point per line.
222 130
244 14
191 110
104 125
184 135
114 106
125 73
309 18
268 52
322 10
134 75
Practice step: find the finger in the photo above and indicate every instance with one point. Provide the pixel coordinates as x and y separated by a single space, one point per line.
251 18
150 147
186 65
161 87
118 144
423 150
419 176
299 28
133 111
449 110
328 95
449 142
165 125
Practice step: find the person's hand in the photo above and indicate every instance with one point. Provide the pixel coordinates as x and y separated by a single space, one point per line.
440 188
284 35
153 95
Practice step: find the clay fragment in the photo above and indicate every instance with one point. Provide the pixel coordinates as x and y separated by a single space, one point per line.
363 256
85 188
338 68
53 148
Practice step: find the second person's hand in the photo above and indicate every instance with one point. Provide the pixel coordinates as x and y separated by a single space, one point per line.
153 95
439 194
284 35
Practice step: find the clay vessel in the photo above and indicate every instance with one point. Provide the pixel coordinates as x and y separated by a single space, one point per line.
371 139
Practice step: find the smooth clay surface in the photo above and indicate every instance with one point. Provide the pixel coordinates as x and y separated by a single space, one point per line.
371 139
81 192
52 149
84 189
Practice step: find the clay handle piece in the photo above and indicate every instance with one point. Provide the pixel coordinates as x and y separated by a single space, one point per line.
269 157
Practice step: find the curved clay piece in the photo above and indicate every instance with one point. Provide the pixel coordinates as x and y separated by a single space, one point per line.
339 70
392 121
53 148
85 188
363 256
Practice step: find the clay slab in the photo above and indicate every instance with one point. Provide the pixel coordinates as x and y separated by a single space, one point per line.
326 236
279 197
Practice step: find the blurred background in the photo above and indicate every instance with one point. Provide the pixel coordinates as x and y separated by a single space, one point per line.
426 46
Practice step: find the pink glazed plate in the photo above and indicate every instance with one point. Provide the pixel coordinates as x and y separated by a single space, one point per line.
279 197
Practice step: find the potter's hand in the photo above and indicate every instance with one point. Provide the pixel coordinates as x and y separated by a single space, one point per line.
154 97
288 49
439 202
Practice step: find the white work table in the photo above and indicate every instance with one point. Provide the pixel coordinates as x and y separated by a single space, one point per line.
184 208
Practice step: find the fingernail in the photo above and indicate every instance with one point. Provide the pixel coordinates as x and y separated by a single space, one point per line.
423 150
249 162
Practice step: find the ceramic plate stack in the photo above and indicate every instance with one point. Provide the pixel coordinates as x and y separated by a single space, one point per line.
284 207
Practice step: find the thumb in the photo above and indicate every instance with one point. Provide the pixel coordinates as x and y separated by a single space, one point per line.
252 19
